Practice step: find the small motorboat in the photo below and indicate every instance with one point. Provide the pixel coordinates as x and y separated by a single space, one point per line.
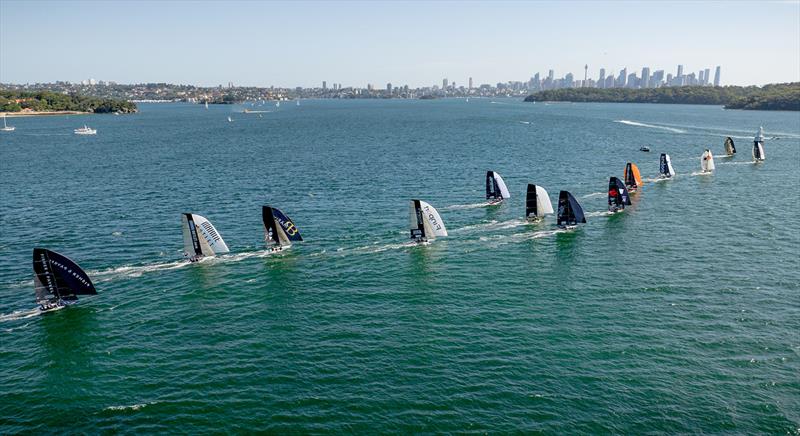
85 130
644 148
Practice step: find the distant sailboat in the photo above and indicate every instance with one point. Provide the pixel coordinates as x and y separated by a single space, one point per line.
467 100
758 146
665 167
200 238
618 197
570 213
278 104
707 161
298 103
58 280
537 203
496 189
425 222
230 120
279 230
206 104
6 127
633 180
730 148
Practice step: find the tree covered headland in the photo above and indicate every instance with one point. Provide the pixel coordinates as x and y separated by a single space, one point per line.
781 96
45 101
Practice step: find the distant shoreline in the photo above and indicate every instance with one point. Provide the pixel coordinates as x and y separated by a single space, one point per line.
43 113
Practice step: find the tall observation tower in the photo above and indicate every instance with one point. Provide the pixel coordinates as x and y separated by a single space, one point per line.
585 74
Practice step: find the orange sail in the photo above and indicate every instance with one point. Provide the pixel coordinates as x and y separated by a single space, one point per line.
633 179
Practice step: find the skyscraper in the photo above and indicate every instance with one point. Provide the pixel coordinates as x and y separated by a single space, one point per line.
701 77
622 78
680 71
716 77
707 76
470 83
389 88
324 85
585 74
601 81
444 84
645 77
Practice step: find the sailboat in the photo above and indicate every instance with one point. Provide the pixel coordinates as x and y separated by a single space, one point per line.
730 148
758 146
278 103
665 167
537 203
633 180
618 197
230 120
496 189
298 103
206 104
200 238
570 213
58 280
6 127
279 230
425 222
707 161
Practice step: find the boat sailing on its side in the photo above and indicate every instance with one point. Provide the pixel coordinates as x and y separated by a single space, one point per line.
58 280
200 238
496 189
279 230
424 222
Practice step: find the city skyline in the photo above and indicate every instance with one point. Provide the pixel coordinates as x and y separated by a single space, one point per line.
302 44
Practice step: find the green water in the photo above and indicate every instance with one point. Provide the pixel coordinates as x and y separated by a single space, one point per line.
680 315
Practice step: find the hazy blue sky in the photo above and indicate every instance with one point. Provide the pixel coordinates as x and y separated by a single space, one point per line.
414 43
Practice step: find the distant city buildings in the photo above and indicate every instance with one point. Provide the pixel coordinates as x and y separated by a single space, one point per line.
623 79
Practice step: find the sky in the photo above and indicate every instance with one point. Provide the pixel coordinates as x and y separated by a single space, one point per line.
259 43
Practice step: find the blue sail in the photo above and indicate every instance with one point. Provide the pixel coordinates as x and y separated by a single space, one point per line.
570 212
292 233
618 196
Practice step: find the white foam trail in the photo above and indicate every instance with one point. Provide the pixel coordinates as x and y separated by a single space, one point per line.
135 270
595 194
525 122
492 225
385 247
737 163
466 206
497 240
702 173
599 213
20 314
131 407
651 126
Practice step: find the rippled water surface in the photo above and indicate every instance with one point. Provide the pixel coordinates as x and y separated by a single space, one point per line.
680 315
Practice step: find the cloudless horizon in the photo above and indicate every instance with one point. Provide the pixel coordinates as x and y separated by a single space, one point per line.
413 43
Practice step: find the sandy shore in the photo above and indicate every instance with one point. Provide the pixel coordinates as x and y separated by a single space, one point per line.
36 114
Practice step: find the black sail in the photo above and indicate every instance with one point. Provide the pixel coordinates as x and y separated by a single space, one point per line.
417 223
530 201
270 230
570 212
56 277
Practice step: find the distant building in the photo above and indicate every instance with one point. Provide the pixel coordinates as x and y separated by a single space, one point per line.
602 79
325 85
444 84
389 88
622 78
680 71
716 77
470 83
645 77
707 76
585 75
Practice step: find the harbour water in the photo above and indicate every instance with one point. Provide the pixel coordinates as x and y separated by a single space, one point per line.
680 315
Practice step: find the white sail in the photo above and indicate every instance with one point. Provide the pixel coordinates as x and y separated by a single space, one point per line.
434 226
758 145
502 185
543 204
200 238
707 161
670 170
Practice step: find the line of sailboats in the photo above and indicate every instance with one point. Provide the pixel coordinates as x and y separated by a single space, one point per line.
58 281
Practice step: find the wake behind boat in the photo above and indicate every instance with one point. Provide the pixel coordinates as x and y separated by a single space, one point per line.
496 189
85 130
537 203
58 280
665 169
570 212
279 230
618 197
200 238
425 222
758 146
